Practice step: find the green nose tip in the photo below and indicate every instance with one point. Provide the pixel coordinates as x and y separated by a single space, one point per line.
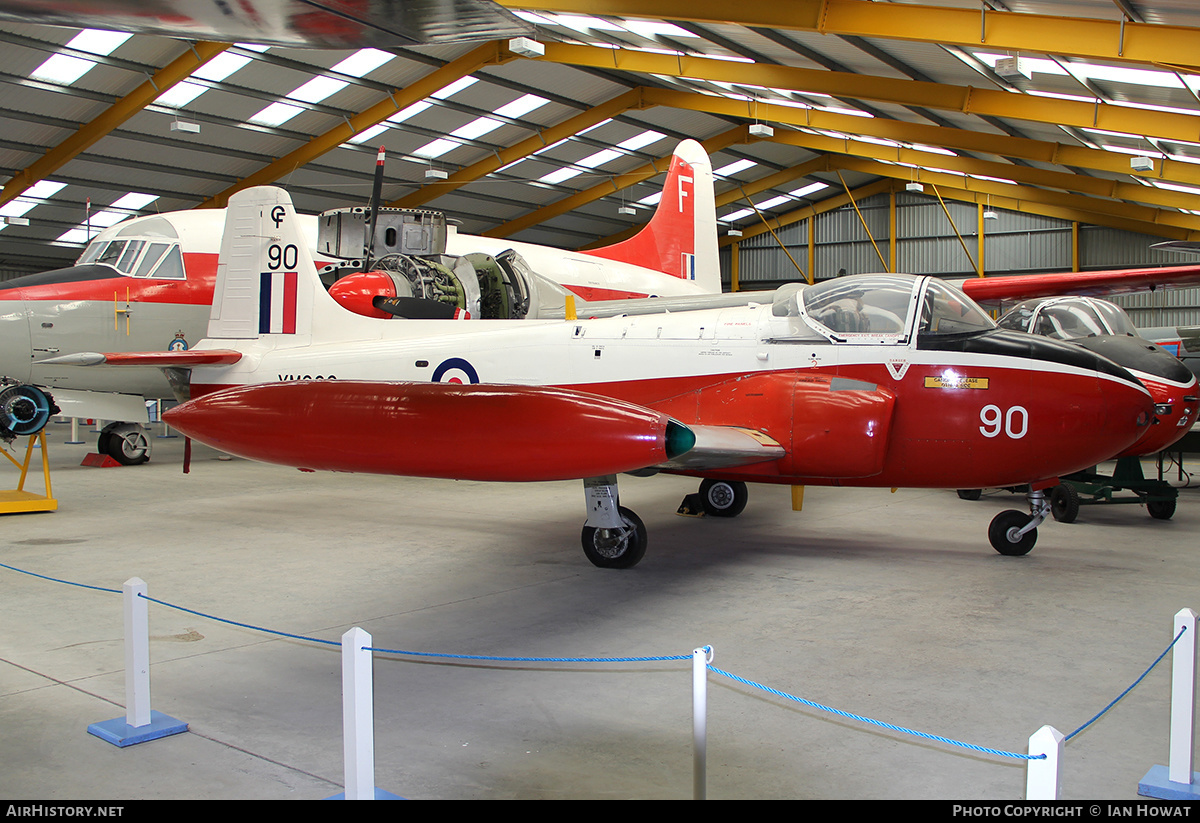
680 439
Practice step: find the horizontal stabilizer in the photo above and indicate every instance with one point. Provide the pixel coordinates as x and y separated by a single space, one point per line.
723 447
991 290
158 359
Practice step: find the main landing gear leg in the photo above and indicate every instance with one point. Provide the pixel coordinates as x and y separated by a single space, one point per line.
613 536
1013 532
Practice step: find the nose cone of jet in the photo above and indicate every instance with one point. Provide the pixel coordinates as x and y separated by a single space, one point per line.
1171 384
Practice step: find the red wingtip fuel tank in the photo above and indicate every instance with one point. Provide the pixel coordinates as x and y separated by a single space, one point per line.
476 432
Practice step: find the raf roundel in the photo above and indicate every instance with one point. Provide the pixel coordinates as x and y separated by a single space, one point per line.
455 370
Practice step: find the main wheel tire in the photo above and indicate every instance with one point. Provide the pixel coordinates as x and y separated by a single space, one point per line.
723 498
1000 533
970 494
1064 503
126 443
1161 509
619 548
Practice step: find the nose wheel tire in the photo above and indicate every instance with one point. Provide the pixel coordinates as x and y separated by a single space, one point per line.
619 548
723 498
1003 533
126 443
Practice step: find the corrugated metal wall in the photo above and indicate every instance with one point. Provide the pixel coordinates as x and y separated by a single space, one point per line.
1014 243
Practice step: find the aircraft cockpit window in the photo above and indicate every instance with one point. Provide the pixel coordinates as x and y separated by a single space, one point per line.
1115 318
946 310
864 309
150 259
171 267
1070 320
130 255
111 253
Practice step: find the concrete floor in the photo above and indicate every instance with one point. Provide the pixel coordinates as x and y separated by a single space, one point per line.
887 605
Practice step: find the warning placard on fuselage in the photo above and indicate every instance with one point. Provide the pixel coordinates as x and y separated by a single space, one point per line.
954 381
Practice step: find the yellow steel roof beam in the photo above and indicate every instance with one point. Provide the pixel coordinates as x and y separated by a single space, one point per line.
631 99
1090 38
487 54
1067 181
615 184
179 69
951 138
1084 209
966 99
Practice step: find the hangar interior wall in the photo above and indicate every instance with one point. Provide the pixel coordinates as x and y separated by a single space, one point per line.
1013 243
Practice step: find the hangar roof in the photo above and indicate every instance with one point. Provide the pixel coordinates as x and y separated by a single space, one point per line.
1034 105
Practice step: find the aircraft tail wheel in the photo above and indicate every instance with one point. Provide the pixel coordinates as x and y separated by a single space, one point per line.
1064 503
126 443
24 410
723 498
1003 533
616 548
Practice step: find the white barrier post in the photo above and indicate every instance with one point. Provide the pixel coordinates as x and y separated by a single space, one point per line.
700 660
358 722
1177 781
140 723
74 441
1042 777
1183 698
137 653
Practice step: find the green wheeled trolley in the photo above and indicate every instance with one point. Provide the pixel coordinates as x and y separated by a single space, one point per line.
1089 487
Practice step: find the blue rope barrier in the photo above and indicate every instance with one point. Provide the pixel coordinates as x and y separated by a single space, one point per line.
860 718
647 659
57 580
1127 691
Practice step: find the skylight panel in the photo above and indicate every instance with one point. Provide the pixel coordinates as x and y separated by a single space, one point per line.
35 195
775 201
362 62
454 88
215 70
110 216
317 89
436 148
276 114
737 215
559 175
640 140
734 167
651 199
65 69
653 28
811 188
521 106
580 23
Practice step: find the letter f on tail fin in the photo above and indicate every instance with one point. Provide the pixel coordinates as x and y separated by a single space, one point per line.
681 237
266 278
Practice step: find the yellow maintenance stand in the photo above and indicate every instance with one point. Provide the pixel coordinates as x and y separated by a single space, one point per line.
15 501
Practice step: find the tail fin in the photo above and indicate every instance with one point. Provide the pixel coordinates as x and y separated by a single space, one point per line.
681 237
266 278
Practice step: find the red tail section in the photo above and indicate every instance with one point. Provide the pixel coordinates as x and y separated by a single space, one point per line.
681 237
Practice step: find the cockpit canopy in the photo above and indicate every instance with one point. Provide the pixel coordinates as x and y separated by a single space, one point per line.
144 248
1068 318
879 308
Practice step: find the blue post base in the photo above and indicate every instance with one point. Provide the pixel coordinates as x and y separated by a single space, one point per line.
380 794
120 733
1157 784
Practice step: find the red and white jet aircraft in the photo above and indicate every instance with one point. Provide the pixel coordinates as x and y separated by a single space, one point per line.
146 284
871 380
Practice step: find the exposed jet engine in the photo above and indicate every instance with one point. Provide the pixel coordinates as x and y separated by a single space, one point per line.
24 410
